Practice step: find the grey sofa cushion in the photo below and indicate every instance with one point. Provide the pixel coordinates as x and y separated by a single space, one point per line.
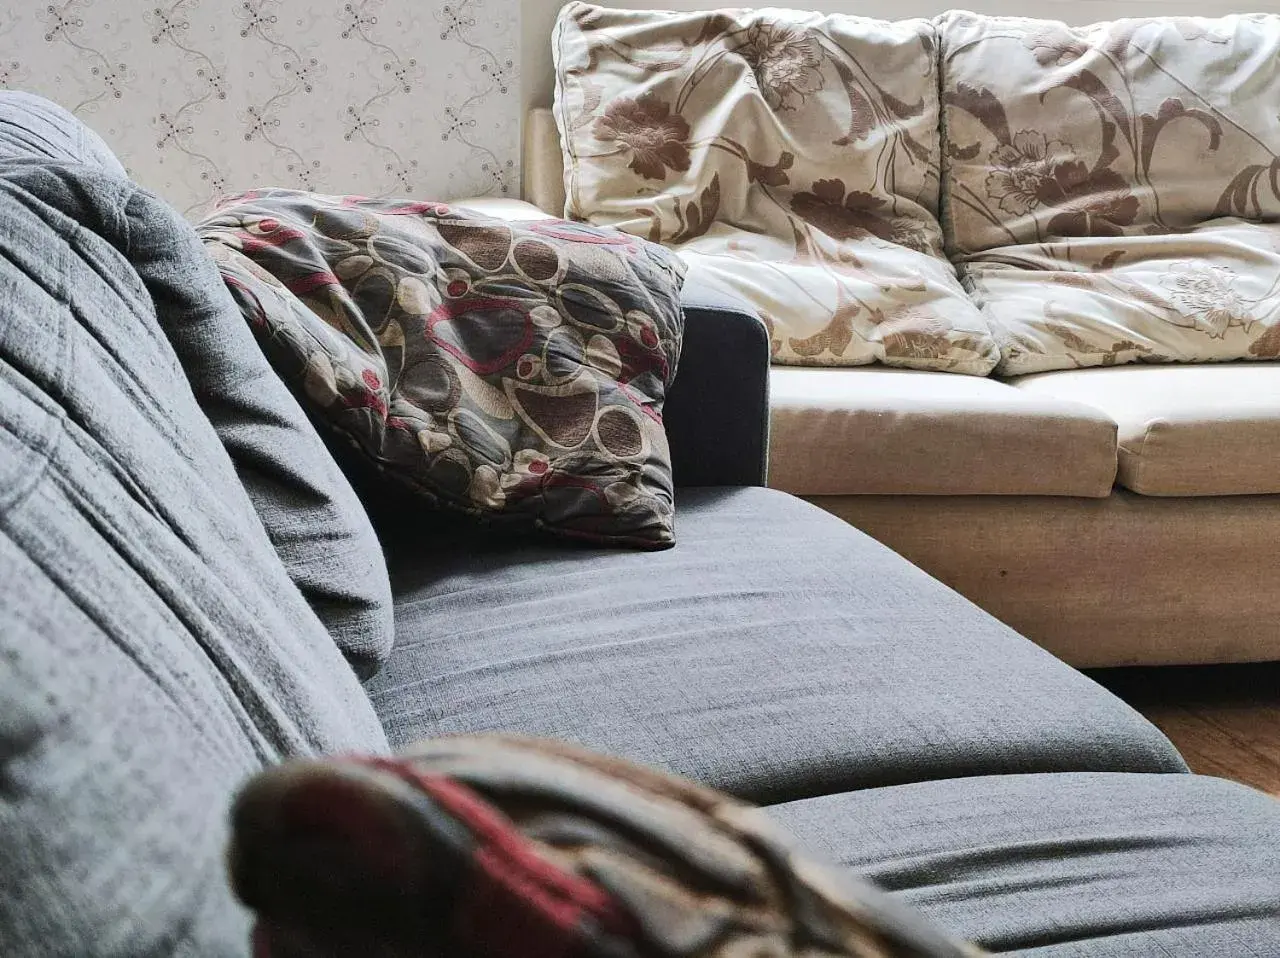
153 650
1087 865
775 652
312 515
308 508
32 126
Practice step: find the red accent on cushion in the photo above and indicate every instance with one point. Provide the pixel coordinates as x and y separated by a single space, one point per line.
277 237
567 481
518 903
456 288
644 405
371 379
306 284
506 913
449 312
366 400
636 360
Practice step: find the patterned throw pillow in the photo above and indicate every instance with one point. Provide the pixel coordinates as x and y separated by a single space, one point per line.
508 848
513 371
1113 188
794 156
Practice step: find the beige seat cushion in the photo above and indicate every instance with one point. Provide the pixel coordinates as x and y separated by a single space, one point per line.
872 430
1210 430
1209 294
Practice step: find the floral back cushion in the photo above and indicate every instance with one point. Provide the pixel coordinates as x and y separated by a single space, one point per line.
793 155
514 371
1109 187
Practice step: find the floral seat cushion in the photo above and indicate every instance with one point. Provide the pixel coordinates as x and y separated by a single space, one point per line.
793 155
1209 293
1110 187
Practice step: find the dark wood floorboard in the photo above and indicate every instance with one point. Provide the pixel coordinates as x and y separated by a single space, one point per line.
1225 719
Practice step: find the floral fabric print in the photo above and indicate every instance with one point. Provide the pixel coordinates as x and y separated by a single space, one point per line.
1109 186
514 371
1206 294
792 156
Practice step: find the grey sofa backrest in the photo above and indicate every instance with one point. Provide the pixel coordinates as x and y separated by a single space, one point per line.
156 523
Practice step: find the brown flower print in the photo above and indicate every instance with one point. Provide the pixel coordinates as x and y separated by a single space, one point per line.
1052 45
1021 169
786 63
1205 297
842 217
1093 202
915 333
657 138
912 234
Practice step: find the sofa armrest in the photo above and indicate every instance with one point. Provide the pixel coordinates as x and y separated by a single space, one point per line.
502 207
717 410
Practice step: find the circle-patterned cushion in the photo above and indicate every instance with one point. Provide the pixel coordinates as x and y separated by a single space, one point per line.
509 370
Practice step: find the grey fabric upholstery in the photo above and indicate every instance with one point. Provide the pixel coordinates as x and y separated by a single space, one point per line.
775 652
1079 865
31 126
717 411
153 648
316 523
308 508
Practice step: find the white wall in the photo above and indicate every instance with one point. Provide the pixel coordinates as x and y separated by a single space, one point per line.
201 97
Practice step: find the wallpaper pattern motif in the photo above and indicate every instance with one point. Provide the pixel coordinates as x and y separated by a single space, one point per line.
202 97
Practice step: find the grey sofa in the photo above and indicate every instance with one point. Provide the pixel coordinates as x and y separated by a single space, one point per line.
195 587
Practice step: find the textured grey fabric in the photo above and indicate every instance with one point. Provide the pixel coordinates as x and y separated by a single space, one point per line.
311 513
1081 865
775 652
717 411
153 649
31 126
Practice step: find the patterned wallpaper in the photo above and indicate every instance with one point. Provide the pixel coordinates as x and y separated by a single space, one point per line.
201 97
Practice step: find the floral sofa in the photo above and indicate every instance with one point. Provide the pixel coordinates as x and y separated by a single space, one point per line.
1022 282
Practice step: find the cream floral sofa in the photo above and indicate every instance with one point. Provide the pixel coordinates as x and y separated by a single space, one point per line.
1022 282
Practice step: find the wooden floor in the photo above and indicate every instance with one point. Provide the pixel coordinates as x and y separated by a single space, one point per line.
1225 719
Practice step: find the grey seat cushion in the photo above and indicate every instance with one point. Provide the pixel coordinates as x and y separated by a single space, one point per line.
1058 865
775 652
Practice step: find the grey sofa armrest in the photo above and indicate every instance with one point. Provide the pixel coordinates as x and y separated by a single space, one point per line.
717 410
